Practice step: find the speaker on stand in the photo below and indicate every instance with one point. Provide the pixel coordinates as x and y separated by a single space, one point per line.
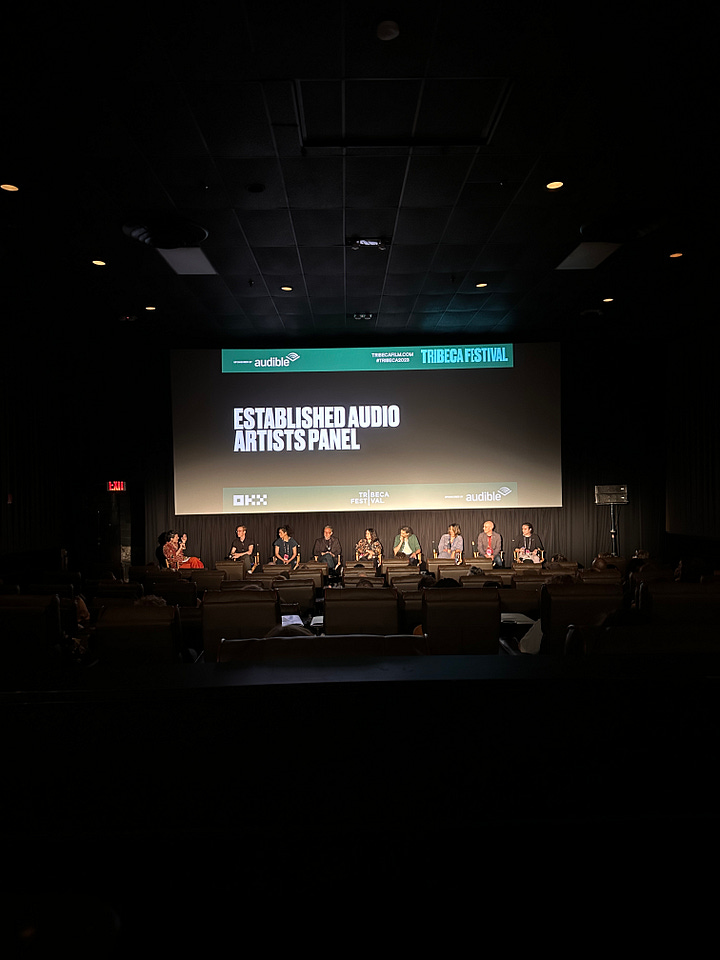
613 494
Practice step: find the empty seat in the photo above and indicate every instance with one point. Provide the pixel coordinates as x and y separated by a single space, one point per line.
317 571
297 591
361 611
207 579
437 566
403 575
458 621
651 639
664 602
233 569
30 635
452 571
180 592
115 589
581 604
393 564
139 635
237 614
521 599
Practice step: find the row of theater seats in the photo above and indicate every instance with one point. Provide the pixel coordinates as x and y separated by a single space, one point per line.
592 616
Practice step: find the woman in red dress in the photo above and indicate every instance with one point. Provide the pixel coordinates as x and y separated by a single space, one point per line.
174 552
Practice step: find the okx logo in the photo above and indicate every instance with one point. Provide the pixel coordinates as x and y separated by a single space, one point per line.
250 499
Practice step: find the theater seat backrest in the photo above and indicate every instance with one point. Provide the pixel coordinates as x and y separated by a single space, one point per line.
581 604
236 614
458 621
352 611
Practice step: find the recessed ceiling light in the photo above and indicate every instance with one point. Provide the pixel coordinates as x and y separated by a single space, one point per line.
480 284
149 308
554 184
99 263
286 288
10 187
607 300
673 255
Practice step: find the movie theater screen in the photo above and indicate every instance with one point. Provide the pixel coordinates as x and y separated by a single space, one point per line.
357 429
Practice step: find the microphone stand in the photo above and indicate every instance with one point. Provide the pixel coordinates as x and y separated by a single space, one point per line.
614 532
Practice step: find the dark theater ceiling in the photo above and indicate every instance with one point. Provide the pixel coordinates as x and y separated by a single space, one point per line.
213 155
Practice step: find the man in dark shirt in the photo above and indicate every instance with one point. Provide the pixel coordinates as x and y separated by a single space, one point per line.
242 548
530 545
328 549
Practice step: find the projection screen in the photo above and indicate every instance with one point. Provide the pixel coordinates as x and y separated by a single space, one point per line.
362 428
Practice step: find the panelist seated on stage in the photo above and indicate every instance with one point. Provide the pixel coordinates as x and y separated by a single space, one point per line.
327 549
174 552
489 544
451 544
242 548
529 545
407 544
369 547
286 550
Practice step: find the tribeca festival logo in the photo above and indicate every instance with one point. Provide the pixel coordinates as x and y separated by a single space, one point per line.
250 499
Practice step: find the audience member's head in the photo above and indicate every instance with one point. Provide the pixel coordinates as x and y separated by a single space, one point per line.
150 600
289 630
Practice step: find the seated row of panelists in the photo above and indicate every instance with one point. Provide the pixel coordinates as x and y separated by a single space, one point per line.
490 545
328 549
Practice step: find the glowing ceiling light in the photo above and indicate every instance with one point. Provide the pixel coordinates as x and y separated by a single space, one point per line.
673 255
10 187
480 284
99 263
554 184
608 300
286 288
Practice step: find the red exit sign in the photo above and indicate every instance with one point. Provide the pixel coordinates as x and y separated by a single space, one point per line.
116 486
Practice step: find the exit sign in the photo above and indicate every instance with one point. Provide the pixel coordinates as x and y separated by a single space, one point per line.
116 486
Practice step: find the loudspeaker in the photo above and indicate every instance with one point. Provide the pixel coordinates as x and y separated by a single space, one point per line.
613 493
